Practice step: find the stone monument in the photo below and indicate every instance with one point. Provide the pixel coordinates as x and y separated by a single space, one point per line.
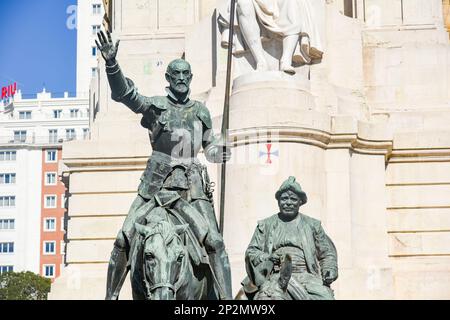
365 131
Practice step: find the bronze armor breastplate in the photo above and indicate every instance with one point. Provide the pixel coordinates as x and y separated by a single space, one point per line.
178 132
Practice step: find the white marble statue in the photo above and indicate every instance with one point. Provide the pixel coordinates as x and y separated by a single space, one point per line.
291 22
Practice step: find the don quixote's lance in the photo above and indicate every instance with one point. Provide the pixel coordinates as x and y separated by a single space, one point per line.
226 114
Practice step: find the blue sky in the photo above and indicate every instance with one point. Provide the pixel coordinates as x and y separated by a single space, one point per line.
37 46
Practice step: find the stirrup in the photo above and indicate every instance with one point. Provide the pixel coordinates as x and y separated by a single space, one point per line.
305 48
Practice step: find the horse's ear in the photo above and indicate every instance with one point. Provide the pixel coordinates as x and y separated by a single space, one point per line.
285 272
141 229
181 229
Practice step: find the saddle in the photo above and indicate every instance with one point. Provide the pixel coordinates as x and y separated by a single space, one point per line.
195 249
197 231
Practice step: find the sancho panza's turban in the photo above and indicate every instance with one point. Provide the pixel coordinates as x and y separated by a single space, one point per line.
294 186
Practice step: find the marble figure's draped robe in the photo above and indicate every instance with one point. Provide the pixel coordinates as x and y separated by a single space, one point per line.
280 18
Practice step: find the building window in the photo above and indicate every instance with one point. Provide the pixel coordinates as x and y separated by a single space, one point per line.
8 155
6 247
94 51
20 136
50 202
63 247
25 115
57 114
71 134
49 247
50 179
95 29
49 270
49 224
63 202
85 133
74 113
7 201
7 224
7 178
4 269
53 136
96 9
51 156
94 72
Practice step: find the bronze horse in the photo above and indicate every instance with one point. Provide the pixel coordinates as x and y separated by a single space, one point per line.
161 267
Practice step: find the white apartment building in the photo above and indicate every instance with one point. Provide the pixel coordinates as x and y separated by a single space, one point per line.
20 191
29 129
89 22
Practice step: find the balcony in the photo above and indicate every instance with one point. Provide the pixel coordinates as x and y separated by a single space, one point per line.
39 140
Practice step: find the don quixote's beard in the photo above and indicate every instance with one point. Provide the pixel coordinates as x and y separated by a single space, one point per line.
181 88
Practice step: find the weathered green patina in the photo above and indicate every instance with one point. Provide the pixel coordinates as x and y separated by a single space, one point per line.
297 237
174 180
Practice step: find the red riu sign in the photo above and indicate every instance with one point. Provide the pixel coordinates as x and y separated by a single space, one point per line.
9 91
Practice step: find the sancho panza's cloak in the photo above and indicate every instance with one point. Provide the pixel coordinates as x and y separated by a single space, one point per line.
319 252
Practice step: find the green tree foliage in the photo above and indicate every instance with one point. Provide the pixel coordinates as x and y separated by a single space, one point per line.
23 286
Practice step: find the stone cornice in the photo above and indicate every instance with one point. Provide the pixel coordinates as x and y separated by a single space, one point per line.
318 138
105 164
313 137
420 155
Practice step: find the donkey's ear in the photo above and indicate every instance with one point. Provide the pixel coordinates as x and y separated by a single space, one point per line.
285 272
181 229
141 229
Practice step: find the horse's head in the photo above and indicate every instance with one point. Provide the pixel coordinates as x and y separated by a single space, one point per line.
163 255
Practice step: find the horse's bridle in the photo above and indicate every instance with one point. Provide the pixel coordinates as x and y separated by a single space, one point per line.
161 285
152 288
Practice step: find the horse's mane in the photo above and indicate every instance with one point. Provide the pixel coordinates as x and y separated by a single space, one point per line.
159 225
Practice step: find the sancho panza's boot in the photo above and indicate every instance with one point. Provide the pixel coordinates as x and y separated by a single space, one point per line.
221 268
117 271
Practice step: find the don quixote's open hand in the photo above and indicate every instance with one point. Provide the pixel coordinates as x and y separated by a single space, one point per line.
107 47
